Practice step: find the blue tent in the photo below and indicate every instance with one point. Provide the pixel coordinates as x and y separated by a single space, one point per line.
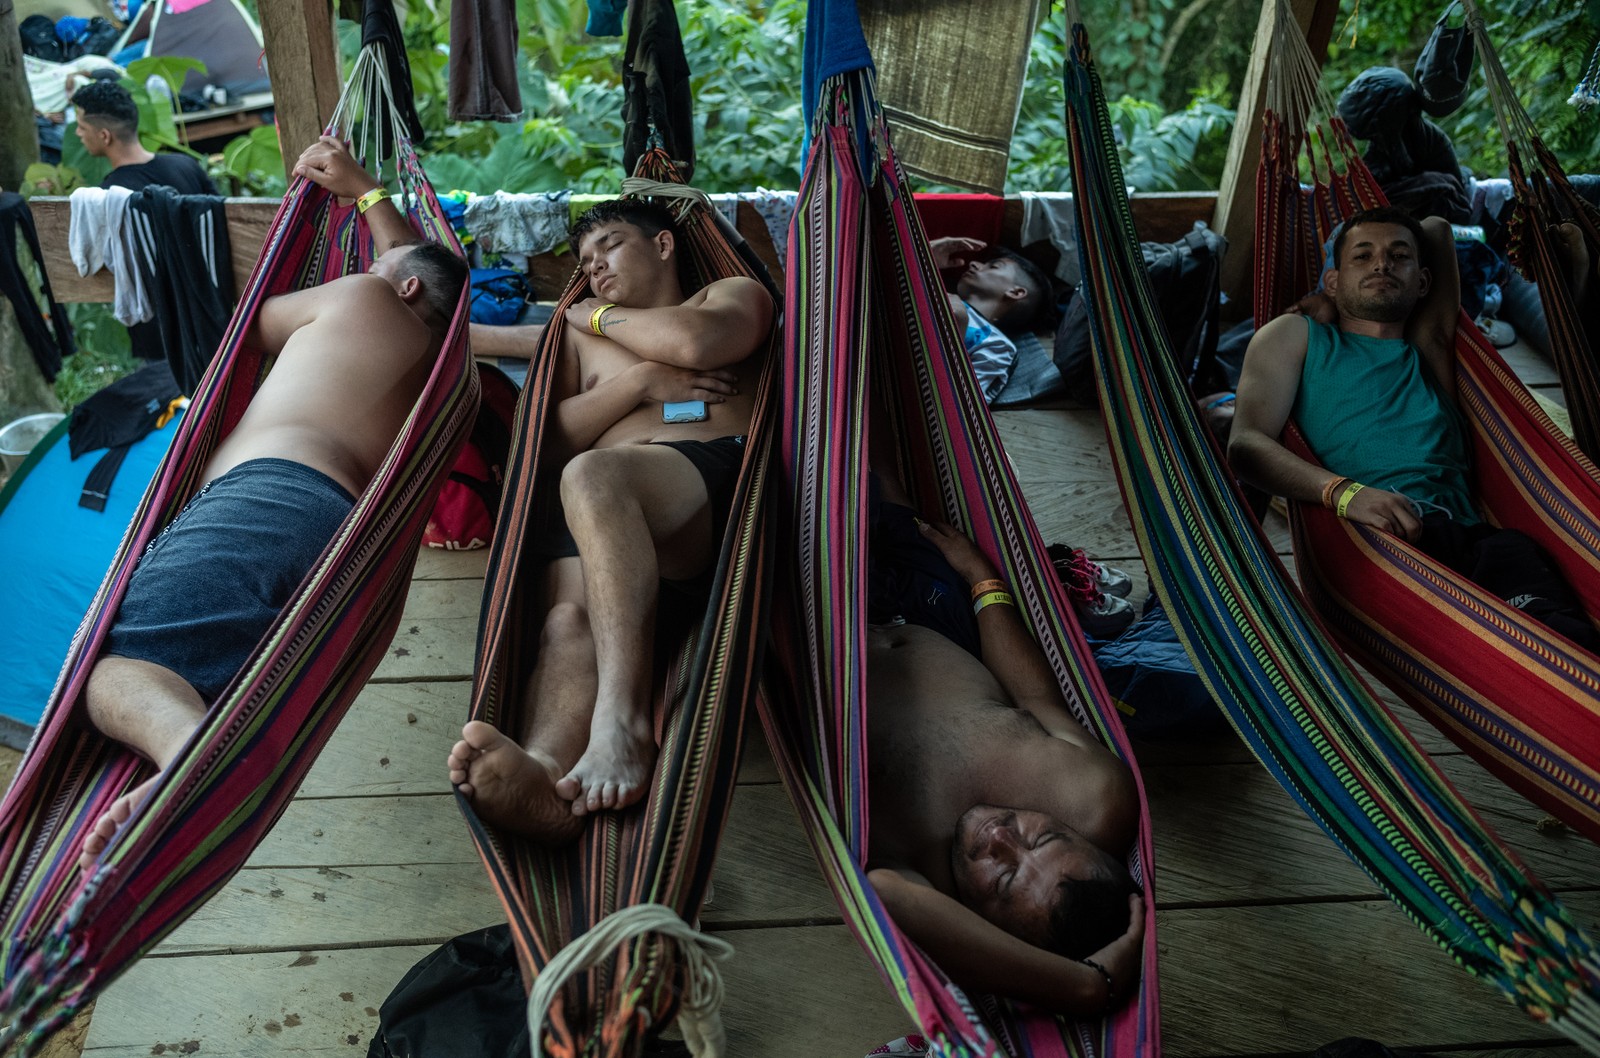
53 555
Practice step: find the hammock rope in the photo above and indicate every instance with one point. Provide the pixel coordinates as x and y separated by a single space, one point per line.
1293 698
869 330
1544 199
661 850
700 1012
66 933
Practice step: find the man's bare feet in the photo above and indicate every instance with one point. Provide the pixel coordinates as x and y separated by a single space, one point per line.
105 828
510 786
613 771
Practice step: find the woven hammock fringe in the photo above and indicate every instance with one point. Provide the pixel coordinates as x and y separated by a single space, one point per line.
700 1006
1580 1023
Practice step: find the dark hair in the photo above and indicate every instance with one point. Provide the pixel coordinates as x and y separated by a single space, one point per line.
1091 913
1380 215
647 216
1026 314
109 106
443 274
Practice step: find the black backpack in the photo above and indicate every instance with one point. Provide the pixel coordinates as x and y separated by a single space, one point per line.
1186 277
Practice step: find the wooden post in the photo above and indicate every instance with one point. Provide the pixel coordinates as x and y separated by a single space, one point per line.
303 63
22 386
19 137
1235 217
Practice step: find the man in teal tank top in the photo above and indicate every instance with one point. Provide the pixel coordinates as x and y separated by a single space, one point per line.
1371 386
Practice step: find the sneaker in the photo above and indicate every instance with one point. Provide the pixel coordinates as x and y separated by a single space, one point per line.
1106 617
1073 566
912 1046
1498 332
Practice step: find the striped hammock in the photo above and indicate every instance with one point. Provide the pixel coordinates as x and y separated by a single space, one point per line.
869 326
660 851
1543 200
66 934
1293 698
1523 701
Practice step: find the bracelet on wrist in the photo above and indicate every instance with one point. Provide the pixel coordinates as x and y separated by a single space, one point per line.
370 199
597 321
1331 489
992 598
1346 496
984 587
1111 990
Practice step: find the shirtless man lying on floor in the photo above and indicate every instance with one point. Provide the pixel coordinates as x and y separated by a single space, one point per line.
1000 825
352 357
655 391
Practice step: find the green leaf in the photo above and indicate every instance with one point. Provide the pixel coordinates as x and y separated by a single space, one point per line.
173 69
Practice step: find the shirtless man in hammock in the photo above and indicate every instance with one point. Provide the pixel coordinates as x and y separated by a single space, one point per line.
352 357
1000 827
655 391
1369 378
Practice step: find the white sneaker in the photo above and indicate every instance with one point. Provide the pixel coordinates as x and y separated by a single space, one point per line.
1498 332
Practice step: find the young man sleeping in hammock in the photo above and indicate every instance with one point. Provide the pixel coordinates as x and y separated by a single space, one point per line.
352 357
655 391
1000 826
1371 384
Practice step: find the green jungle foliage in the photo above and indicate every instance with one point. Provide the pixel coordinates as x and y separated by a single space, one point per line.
1172 69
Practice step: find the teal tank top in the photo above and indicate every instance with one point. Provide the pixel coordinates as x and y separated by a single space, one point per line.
1371 410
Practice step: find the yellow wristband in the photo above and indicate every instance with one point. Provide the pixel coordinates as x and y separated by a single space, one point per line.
370 199
596 318
984 587
1346 496
992 598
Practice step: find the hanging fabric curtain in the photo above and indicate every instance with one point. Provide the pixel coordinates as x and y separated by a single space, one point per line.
1293 698
1544 200
649 864
67 934
869 326
1524 701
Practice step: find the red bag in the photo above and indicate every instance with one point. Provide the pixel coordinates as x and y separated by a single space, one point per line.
469 501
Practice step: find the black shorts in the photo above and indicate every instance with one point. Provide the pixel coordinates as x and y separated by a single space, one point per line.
1512 566
207 589
909 580
717 461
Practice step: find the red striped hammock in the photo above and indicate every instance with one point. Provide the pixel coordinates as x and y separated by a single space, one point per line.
67 935
1522 700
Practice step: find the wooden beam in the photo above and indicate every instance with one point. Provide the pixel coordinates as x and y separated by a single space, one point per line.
303 65
1235 218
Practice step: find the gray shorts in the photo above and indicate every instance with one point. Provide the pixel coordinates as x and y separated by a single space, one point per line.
207 589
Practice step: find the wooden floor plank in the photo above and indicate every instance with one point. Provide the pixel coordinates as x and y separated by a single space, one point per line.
303 908
805 993
437 564
393 740
1285 978
766 872
285 1003
355 831
437 634
783 986
1230 834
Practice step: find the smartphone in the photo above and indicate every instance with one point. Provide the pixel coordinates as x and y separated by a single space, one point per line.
684 411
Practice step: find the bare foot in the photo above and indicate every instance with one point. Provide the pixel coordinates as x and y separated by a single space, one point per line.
105 828
511 787
613 771
1574 257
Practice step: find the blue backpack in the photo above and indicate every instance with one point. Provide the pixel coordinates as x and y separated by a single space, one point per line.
498 295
